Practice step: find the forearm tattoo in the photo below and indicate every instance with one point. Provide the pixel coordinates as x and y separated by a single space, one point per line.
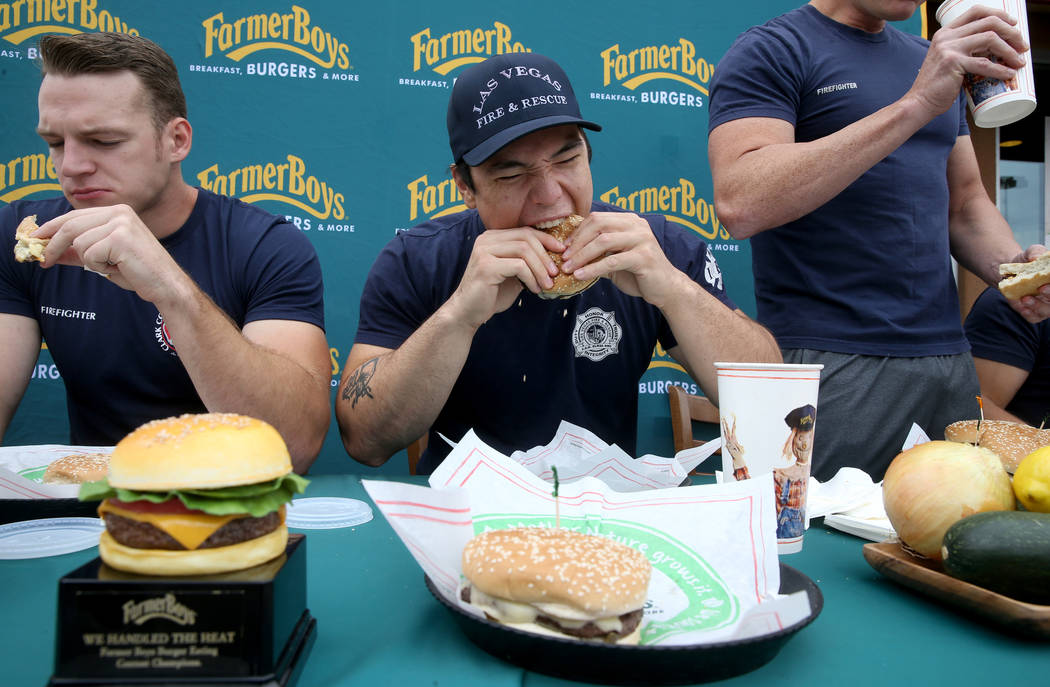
357 384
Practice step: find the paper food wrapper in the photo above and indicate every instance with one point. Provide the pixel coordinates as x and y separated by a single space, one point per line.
578 453
852 503
22 468
713 547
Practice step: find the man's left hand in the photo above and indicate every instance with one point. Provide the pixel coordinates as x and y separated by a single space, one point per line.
1034 308
621 246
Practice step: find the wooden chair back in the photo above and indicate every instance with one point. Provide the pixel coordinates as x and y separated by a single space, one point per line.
685 409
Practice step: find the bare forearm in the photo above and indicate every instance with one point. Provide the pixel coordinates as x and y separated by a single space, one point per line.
389 400
233 374
981 239
708 331
779 180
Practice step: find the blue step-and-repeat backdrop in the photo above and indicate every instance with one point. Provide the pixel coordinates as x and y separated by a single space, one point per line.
333 115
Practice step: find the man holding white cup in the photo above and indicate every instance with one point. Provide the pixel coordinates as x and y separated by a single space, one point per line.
839 143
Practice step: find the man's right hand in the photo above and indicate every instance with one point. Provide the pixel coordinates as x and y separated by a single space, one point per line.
501 263
963 47
114 242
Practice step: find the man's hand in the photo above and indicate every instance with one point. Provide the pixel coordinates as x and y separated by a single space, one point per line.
502 262
968 45
622 247
1034 308
114 242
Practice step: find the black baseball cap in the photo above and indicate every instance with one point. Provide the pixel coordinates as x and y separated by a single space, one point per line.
504 98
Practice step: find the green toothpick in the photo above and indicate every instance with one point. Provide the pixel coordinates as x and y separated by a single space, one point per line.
557 514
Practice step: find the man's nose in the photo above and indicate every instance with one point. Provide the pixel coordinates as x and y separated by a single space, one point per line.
546 187
74 160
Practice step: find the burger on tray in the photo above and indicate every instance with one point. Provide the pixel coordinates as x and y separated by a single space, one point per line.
558 582
195 494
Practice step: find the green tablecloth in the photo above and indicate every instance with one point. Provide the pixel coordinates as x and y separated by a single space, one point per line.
377 624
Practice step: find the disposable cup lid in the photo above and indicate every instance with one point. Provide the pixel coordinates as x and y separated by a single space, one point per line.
48 537
327 512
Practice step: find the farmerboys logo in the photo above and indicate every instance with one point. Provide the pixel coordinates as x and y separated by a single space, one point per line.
428 200
26 175
285 182
677 203
682 74
295 32
444 53
24 19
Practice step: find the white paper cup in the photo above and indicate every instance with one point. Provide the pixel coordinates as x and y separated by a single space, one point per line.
768 414
994 102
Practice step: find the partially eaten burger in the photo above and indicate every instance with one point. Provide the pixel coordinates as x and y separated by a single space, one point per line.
565 285
558 582
27 248
195 494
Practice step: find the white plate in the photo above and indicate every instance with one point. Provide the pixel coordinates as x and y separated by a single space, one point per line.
327 512
48 537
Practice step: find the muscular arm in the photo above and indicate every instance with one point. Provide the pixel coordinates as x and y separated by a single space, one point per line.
798 177
999 384
708 331
980 237
20 343
388 398
275 370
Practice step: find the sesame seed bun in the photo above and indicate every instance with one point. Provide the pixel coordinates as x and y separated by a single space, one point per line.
202 451
222 559
565 285
77 468
1011 441
568 577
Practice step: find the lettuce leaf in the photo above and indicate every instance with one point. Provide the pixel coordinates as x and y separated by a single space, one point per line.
255 499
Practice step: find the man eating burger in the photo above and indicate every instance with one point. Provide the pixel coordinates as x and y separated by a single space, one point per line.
455 332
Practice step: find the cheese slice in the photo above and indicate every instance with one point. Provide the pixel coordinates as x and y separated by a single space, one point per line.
188 529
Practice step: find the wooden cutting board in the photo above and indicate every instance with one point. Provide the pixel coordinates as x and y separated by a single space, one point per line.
1025 619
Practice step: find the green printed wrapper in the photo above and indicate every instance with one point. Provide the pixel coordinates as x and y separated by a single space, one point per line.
713 547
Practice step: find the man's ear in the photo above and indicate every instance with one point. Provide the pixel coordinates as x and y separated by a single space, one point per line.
464 189
179 137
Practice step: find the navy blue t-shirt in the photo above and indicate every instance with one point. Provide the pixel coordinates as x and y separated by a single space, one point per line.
998 333
117 359
540 361
870 271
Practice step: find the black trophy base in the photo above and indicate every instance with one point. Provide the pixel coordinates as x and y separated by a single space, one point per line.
247 627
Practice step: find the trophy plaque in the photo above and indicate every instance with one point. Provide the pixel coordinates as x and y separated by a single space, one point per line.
246 627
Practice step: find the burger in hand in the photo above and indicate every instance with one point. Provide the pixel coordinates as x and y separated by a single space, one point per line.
565 285
558 582
195 495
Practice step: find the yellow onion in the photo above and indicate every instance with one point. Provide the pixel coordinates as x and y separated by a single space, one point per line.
930 486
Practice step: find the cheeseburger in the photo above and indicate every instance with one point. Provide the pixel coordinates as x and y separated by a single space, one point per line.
565 285
195 494
557 582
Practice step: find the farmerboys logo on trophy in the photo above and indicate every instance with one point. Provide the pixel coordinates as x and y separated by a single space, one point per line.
678 203
21 20
293 33
681 74
444 53
25 175
287 182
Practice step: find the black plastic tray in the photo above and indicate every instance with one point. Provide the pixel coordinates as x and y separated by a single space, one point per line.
613 664
16 510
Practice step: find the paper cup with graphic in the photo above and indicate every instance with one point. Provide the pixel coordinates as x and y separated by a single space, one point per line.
994 102
768 414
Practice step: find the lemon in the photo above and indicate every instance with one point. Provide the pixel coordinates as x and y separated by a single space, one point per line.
1032 481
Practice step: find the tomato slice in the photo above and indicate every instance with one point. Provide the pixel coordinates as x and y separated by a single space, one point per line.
171 507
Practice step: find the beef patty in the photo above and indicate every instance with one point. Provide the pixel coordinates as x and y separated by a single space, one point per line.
142 535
